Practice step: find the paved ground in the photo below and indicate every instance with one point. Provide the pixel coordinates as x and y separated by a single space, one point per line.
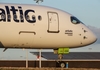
71 55
35 64
48 69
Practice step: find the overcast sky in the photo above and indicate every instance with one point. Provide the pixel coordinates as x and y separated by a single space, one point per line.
88 11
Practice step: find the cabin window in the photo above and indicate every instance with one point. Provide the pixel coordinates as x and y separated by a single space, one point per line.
74 20
27 17
21 17
39 17
15 16
33 17
9 17
3 16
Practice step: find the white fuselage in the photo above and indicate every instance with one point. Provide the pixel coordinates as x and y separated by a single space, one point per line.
34 26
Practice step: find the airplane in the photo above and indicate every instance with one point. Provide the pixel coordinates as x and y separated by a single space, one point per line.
37 1
41 27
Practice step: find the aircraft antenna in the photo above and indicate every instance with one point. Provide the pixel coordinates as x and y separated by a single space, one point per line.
37 1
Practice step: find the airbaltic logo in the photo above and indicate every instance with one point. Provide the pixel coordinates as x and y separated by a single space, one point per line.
5 14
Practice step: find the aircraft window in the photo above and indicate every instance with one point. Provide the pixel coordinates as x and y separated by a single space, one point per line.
33 17
39 17
9 16
21 17
2 16
15 16
74 20
27 17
